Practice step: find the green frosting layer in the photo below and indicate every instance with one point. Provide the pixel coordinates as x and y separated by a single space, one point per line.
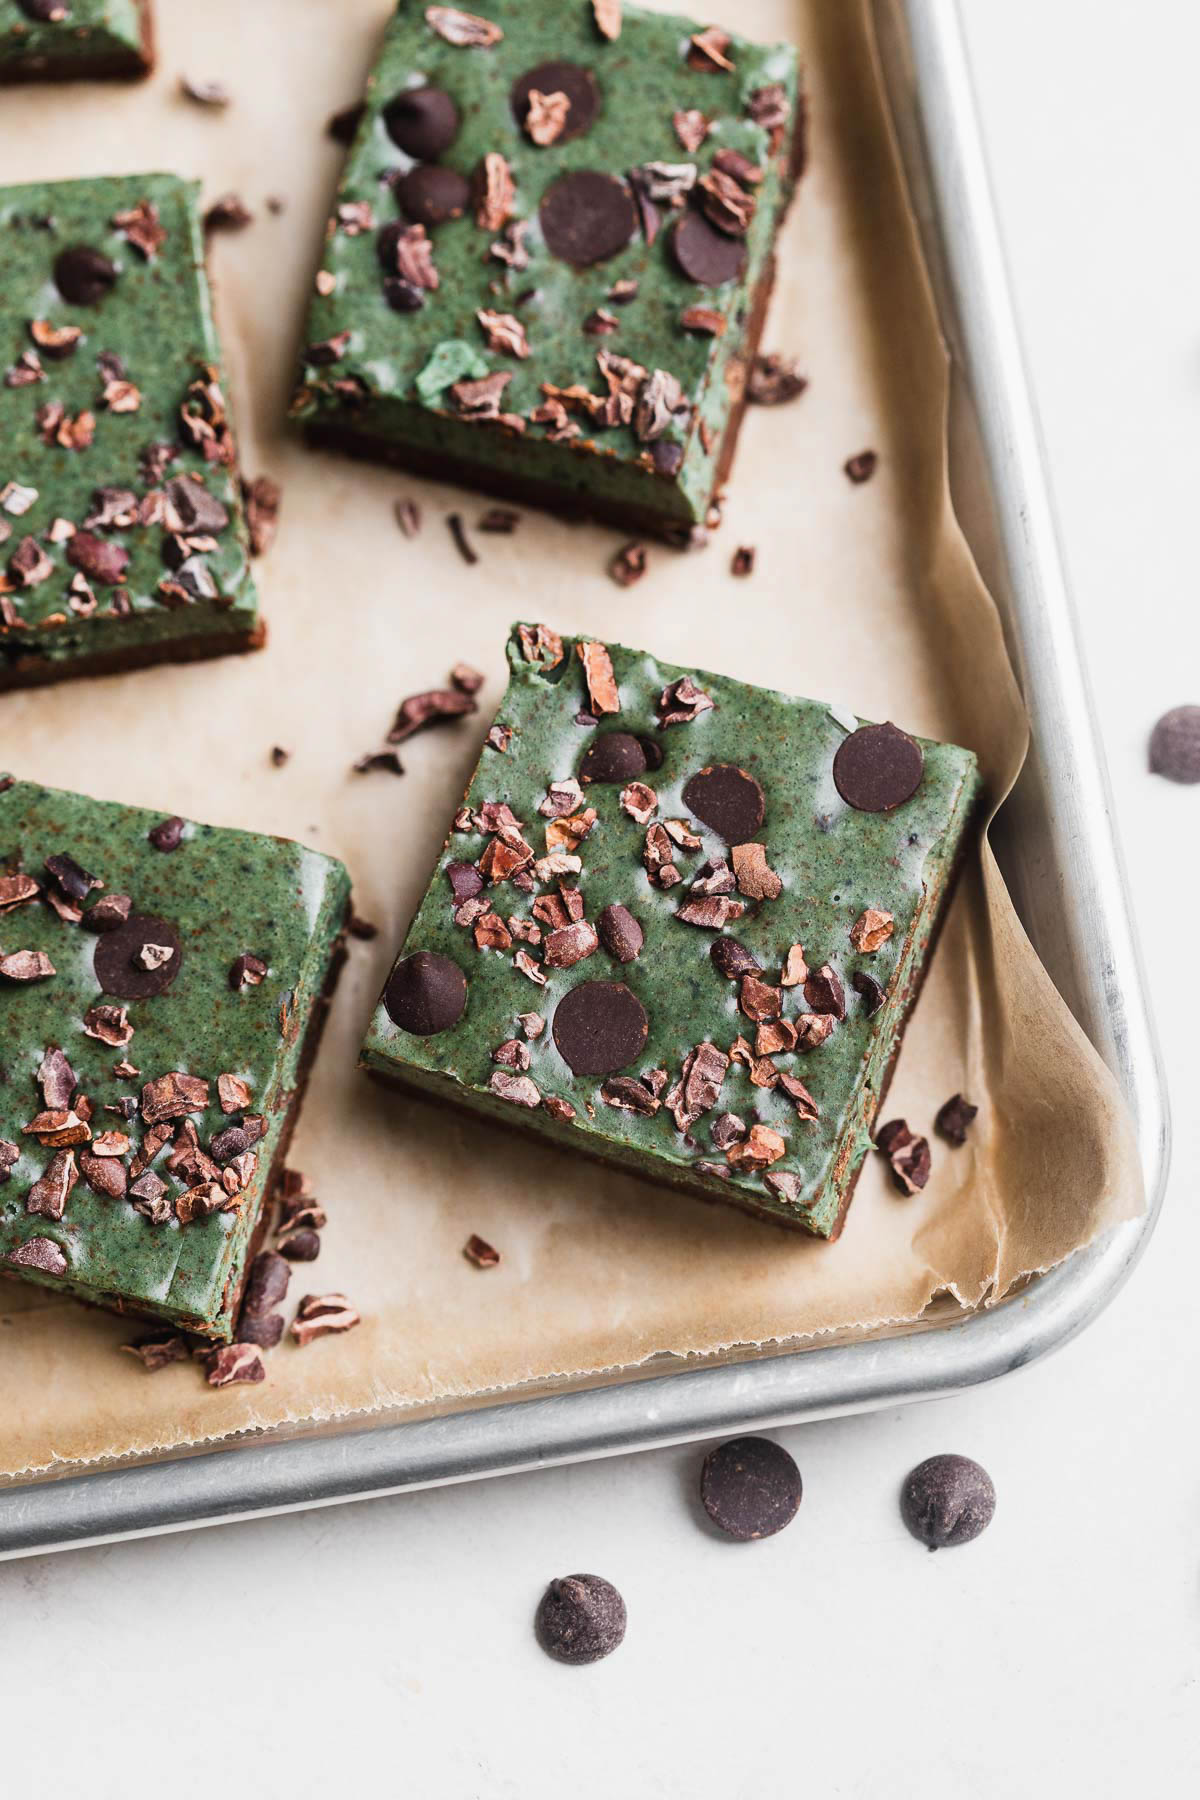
834 862
643 78
108 32
157 319
225 892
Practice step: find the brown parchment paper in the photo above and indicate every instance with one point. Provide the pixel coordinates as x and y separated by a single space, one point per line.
863 595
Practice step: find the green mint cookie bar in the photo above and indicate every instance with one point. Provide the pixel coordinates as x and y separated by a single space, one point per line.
551 253
75 40
123 538
678 925
162 988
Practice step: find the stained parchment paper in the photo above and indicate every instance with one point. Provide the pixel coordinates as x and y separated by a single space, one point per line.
865 596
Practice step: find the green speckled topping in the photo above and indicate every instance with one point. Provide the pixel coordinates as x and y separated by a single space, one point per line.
834 863
225 892
643 78
106 31
157 319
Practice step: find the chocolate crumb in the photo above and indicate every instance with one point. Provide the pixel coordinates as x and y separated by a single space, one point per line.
204 93
167 834
478 1251
498 519
861 467
379 759
774 380
156 1353
458 532
229 213
408 517
261 498
743 560
953 1118
279 756
628 564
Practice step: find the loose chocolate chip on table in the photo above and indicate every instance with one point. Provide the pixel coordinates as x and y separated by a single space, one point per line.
83 275
704 254
750 1487
947 1500
726 799
599 1027
422 121
878 767
613 756
580 1619
571 79
426 993
587 217
430 194
1175 745
116 960
953 1119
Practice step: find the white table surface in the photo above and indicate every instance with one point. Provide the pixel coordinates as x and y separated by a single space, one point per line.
386 1648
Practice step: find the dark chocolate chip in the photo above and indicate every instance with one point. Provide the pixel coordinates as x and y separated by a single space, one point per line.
116 962
426 993
878 767
1175 745
620 932
953 1119
83 275
947 1500
580 1619
422 121
613 756
430 194
869 988
586 217
571 79
167 834
750 1487
728 800
599 1027
267 1283
704 254
732 959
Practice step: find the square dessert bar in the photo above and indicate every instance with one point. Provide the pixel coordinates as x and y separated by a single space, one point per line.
75 40
678 925
551 253
122 534
162 989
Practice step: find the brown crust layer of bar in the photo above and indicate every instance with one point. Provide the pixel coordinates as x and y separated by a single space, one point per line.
39 671
125 65
528 490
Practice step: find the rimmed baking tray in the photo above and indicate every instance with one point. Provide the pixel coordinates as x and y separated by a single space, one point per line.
1056 845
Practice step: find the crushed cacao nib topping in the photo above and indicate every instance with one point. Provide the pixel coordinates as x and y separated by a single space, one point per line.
105 1175
754 878
705 319
148 1195
681 702
628 1094
203 418
812 1029
870 989
73 881
59 1128
570 945
26 371
727 1129
660 404
525 963
466 31
520 1090
26 965
18 890
69 432
710 913
795 968
738 167
733 960
871 930
99 560
773 1036
140 225
953 1119
546 116
668 184
601 323
55 341
513 1054
628 564
503 333
499 738
607 17
233 1093
56 1078
691 128
167 835
39 1253
173 1096
762 1147
806 1107
300 1245
774 380
907 1154
824 993
405 250
603 696
540 646
708 50
639 801
725 203
495 196
491 933
769 106
785 1186
50 1192
16 498
29 565
758 1000
699 1086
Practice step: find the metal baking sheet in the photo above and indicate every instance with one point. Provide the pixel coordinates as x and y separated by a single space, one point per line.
1056 844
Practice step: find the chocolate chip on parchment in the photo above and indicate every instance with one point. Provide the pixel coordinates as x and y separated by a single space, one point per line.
586 217
953 1118
83 275
620 932
431 194
861 467
750 1488
705 255
580 1619
878 767
869 988
774 380
1175 745
426 993
599 1027
726 799
570 79
116 960
947 1500
478 1251
422 121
